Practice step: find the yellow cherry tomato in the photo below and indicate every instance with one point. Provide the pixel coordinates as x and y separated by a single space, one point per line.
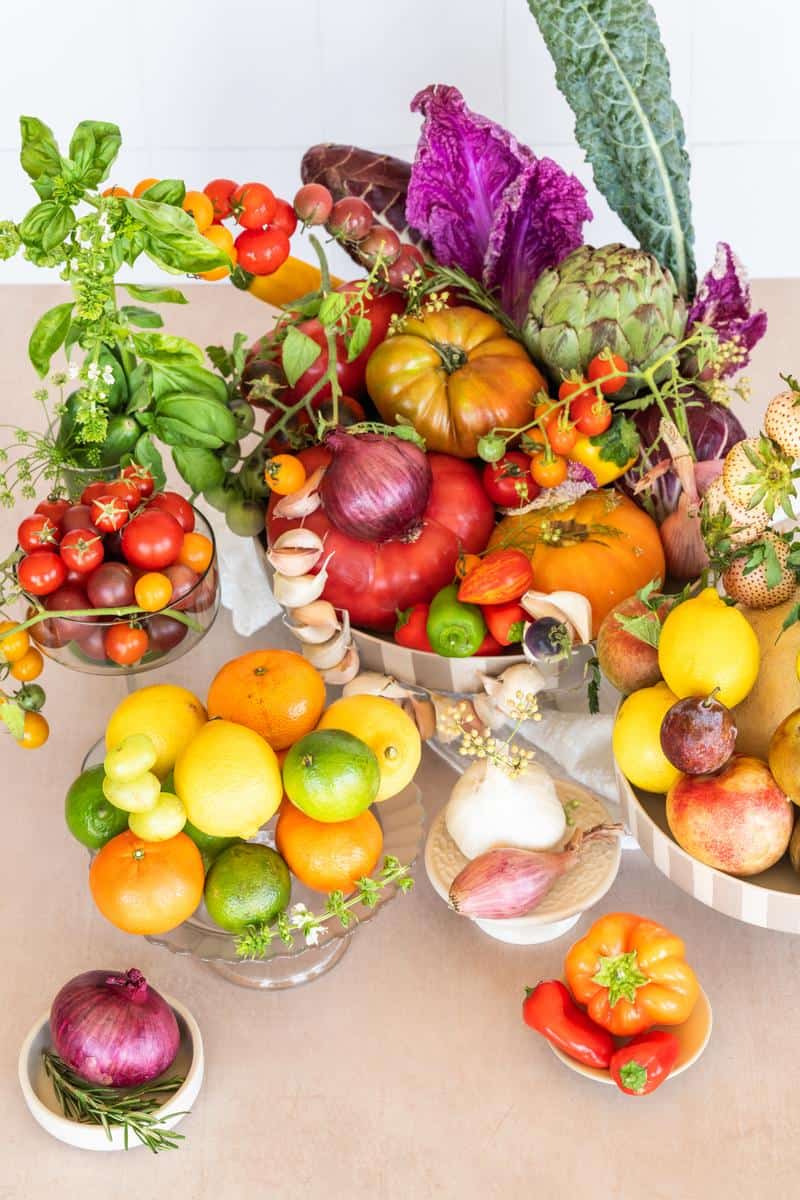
284 474
196 552
200 208
143 185
35 731
13 646
222 238
153 591
29 667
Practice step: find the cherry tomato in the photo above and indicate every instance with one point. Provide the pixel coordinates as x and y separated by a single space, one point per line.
591 414
37 533
110 586
125 644
284 218
78 516
81 551
200 208
262 251
116 191
284 474
570 387
561 435
93 490
466 563
608 370
41 573
351 219
253 205
35 731
141 478
508 482
380 242
127 491
176 506
548 471
143 185
222 238
13 646
154 590
197 551
219 192
53 507
29 667
152 540
109 513
313 204
407 262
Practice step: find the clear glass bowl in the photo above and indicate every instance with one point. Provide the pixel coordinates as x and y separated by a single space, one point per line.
75 479
77 642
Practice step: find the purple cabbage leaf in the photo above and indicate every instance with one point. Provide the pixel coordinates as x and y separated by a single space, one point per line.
723 302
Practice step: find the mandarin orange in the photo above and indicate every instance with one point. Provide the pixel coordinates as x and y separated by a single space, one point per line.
275 692
328 856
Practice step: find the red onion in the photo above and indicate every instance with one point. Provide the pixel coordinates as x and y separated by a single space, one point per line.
114 1029
376 487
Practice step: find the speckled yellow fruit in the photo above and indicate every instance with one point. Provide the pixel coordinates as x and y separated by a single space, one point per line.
706 644
388 731
637 739
170 716
229 780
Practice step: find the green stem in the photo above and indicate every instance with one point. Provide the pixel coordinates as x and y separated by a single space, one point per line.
128 610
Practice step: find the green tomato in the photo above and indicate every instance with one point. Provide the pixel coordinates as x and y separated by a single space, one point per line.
455 629
31 696
251 479
229 457
244 517
218 497
491 448
134 795
131 758
166 819
243 415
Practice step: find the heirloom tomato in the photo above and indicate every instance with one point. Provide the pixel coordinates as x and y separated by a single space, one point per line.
375 581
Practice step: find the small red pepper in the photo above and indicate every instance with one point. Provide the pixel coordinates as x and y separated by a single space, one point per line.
644 1062
550 1010
488 647
505 622
411 628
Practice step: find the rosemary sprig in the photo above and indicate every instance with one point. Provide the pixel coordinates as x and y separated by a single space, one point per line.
132 1109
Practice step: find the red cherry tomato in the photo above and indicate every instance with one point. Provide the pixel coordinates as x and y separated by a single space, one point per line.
54 508
141 478
608 370
152 541
508 482
78 516
262 251
109 513
591 414
125 644
127 491
570 387
253 205
81 551
37 533
219 192
285 218
561 435
93 490
41 573
176 506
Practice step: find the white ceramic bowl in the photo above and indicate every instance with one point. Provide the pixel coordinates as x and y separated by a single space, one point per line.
40 1097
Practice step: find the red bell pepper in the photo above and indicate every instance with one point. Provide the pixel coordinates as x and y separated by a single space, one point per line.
411 630
550 1010
505 622
644 1062
488 647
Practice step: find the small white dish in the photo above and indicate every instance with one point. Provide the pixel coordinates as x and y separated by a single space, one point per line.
570 896
40 1097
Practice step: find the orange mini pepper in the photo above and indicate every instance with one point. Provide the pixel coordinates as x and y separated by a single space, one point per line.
631 974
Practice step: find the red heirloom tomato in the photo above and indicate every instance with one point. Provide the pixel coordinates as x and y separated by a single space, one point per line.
37 533
176 506
41 573
152 541
375 581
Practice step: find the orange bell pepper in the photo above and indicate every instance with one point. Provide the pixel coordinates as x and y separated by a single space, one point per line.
631 974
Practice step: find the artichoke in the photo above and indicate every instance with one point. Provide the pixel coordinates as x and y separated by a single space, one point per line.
612 297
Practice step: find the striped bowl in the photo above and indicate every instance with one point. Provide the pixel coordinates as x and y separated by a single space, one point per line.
771 899
423 669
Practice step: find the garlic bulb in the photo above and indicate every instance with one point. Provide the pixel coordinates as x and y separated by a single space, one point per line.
489 808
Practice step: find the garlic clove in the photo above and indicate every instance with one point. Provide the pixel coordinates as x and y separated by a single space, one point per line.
572 608
311 635
295 591
423 714
331 652
515 688
372 683
304 501
344 671
296 551
319 612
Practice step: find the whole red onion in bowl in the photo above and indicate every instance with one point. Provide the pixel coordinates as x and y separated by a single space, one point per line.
377 486
114 1029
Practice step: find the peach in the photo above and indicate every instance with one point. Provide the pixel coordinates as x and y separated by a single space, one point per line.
738 820
627 662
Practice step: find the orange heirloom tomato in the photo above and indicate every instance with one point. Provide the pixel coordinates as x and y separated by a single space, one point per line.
153 590
284 474
455 375
631 974
502 575
196 552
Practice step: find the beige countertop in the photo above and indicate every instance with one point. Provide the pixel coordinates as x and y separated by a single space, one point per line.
406 1071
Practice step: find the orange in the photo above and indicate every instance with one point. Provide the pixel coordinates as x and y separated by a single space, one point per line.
275 692
143 185
329 856
223 240
147 887
200 208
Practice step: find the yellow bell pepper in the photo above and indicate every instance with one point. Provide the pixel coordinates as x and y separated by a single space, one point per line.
588 455
291 281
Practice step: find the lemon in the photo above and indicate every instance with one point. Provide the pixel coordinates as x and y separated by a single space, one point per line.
169 715
134 795
706 645
166 819
637 739
229 780
388 731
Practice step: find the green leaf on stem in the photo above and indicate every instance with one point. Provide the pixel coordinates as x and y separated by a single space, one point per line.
298 354
34 223
140 386
57 228
331 308
359 337
48 335
173 239
148 456
189 419
39 155
94 146
155 295
145 318
199 466
620 442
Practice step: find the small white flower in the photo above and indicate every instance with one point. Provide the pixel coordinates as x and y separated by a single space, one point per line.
93 371
73 370
108 374
298 916
314 934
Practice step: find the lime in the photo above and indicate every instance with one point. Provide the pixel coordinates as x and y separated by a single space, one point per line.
90 817
163 821
210 847
246 884
134 795
132 757
331 775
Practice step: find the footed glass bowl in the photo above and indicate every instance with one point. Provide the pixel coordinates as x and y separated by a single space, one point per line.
77 642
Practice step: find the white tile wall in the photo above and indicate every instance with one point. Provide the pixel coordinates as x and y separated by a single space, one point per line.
200 89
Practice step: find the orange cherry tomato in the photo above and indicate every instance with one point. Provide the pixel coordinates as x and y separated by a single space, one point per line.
116 191
143 185
13 646
466 563
284 474
125 644
153 591
200 208
147 887
548 471
222 238
561 435
29 667
196 552
35 731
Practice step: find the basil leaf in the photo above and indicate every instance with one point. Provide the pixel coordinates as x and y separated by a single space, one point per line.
195 420
199 467
612 68
221 359
298 353
155 295
39 154
166 191
34 223
145 318
332 308
173 240
140 386
94 146
359 338
48 334
147 456
62 221
165 346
